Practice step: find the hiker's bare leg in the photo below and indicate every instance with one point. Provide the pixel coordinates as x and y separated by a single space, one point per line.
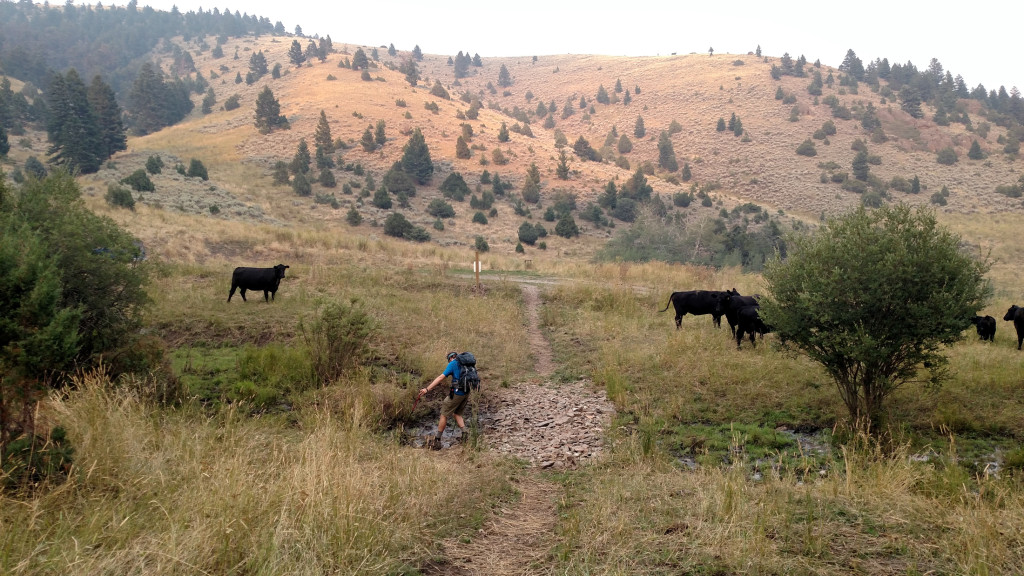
460 421
444 422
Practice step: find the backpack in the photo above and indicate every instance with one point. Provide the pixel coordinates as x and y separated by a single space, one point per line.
468 377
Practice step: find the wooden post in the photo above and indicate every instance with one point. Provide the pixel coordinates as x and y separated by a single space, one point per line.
476 268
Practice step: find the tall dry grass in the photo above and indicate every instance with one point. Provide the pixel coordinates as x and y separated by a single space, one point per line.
870 514
179 492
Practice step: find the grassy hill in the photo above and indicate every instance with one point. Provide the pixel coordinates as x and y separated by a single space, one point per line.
263 471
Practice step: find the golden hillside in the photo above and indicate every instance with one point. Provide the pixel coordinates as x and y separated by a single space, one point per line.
693 90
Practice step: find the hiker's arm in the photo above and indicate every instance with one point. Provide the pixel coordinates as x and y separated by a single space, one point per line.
436 381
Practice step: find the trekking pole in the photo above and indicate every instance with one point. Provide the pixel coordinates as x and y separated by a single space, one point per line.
418 396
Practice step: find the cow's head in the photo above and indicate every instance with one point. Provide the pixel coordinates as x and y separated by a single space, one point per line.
1011 312
279 270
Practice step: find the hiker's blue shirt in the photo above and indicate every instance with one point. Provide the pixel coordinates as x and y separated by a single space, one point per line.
454 371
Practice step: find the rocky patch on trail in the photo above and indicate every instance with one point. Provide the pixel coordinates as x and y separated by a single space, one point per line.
547 425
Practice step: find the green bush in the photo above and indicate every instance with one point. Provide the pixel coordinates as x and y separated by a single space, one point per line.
121 197
338 339
232 102
154 164
479 218
438 208
946 156
196 169
807 148
139 181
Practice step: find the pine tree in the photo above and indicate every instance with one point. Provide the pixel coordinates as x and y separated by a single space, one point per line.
666 154
208 101
359 60
639 130
411 71
268 112
379 135
74 133
312 51
687 175
5 146
562 169
975 153
721 125
416 160
504 78
417 54
367 141
391 50
602 95
108 113
147 100
322 140
625 146
258 64
503 133
860 166
295 54
300 162
281 174
626 99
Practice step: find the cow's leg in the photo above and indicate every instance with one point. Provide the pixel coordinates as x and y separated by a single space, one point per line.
232 293
241 292
739 337
753 339
266 296
679 321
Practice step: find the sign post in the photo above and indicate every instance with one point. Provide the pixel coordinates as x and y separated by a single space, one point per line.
476 268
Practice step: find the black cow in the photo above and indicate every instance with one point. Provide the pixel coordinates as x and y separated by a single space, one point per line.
732 305
749 321
266 279
1016 313
697 302
986 326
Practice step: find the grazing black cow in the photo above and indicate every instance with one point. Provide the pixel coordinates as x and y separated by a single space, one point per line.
1016 313
697 302
266 279
986 326
732 305
749 321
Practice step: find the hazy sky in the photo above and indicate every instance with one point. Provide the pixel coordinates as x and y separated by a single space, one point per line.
979 43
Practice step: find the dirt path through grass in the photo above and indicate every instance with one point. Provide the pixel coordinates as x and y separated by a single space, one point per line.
549 425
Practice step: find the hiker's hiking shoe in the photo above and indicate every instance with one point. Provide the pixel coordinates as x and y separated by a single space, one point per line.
434 443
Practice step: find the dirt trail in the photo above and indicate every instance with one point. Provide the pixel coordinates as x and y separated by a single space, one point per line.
547 424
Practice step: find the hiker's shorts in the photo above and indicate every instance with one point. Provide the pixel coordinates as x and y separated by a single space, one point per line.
454 405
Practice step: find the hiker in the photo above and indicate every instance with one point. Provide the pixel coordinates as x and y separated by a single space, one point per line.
455 403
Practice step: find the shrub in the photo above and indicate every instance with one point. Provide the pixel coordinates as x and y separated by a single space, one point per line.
232 102
479 218
481 244
438 208
197 170
946 156
120 197
154 164
338 339
353 217
807 148
566 227
527 233
139 181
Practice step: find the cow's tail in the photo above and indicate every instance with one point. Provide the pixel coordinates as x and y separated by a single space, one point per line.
667 305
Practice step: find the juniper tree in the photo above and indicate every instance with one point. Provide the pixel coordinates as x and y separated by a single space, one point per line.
503 133
359 60
462 149
379 136
638 129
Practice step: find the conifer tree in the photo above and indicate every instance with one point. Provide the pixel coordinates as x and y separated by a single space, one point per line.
602 95
295 54
625 146
416 160
72 128
268 112
721 125
562 169
209 100
639 130
322 139
417 54
666 154
391 50
5 146
300 162
367 141
108 114
359 60
379 136
504 78
462 149
503 133
975 153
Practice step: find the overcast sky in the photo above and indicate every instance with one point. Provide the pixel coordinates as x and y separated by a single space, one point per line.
979 42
